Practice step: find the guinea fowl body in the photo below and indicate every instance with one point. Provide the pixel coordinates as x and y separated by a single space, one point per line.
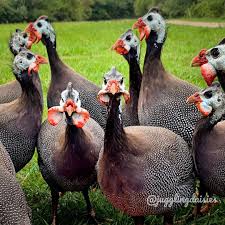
162 100
20 121
208 147
67 155
13 209
10 91
138 162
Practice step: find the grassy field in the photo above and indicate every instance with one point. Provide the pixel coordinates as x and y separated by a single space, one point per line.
85 46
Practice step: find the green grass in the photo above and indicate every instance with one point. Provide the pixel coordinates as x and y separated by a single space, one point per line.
85 46
214 20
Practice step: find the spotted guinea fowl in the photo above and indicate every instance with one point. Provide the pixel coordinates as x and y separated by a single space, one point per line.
20 120
68 147
12 90
162 100
128 45
208 140
212 63
13 207
140 161
61 74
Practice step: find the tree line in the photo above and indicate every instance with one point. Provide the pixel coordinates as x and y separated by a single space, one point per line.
73 10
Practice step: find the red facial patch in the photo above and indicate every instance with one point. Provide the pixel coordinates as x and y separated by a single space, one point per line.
208 73
34 35
143 29
80 117
55 115
202 110
200 59
35 65
119 47
126 96
102 97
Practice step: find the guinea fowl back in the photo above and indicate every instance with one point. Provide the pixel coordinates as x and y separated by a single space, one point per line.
13 209
10 91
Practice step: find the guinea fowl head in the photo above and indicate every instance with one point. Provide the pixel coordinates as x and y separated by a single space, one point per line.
211 61
70 104
26 63
128 45
113 85
18 41
41 29
209 99
152 22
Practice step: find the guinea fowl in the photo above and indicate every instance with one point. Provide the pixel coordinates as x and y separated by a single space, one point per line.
208 140
13 207
68 149
61 74
128 45
12 90
20 120
140 161
212 63
162 100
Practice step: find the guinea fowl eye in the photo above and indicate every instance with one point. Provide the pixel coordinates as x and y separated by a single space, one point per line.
121 81
128 38
39 24
105 81
29 56
208 94
25 35
215 52
149 18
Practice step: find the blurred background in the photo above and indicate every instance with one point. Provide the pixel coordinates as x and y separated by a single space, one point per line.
76 10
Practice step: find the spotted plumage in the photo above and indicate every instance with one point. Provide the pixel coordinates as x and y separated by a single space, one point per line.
68 148
162 99
137 162
13 206
20 120
61 74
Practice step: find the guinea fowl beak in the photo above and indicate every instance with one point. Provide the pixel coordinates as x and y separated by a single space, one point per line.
144 30
193 99
195 62
70 107
113 86
200 59
35 65
120 47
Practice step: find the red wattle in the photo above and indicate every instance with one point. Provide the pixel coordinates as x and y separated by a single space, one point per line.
208 73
